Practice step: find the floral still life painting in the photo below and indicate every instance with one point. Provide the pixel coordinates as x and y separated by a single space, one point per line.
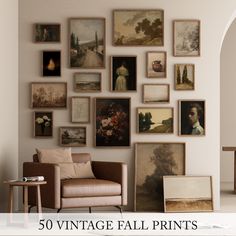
112 122
43 124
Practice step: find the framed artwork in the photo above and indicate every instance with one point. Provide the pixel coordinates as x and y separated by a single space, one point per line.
186 38
43 124
123 73
155 120
112 122
47 33
80 109
152 162
156 93
86 82
192 117
48 95
156 64
87 42
72 136
184 76
137 27
51 63
188 193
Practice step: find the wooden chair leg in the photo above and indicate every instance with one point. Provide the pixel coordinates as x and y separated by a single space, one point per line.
30 208
119 207
90 210
58 210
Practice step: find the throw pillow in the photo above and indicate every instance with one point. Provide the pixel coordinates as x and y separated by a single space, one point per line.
84 170
54 155
67 170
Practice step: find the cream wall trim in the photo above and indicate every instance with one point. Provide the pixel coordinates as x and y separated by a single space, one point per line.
8 96
202 153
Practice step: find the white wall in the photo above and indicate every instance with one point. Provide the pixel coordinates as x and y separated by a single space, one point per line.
203 153
8 95
227 105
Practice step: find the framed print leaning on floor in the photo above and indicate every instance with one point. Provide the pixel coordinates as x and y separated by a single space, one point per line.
87 42
153 160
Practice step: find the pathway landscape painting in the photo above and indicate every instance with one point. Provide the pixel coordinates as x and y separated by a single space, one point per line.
87 42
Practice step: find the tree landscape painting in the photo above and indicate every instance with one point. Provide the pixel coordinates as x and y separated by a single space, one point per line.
186 38
50 95
138 27
155 120
184 76
152 162
87 42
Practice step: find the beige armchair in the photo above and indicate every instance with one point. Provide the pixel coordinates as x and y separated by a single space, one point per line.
108 189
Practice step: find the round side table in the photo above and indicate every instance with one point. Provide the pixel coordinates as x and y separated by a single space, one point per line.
25 186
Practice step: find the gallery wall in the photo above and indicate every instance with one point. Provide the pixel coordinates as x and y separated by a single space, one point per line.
227 105
202 153
8 96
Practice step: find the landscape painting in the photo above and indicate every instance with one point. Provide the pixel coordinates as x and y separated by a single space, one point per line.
112 122
72 136
138 27
188 193
186 38
152 162
156 93
86 82
184 76
87 42
50 95
47 33
155 120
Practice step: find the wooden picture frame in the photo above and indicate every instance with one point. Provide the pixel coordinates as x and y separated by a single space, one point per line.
80 109
186 38
156 93
192 118
153 160
73 136
112 122
181 196
47 33
51 61
48 94
123 73
130 24
87 44
184 76
87 82
43 124
156 64
155 120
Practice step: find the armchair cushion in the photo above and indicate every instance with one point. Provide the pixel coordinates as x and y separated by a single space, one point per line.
54 155
73 188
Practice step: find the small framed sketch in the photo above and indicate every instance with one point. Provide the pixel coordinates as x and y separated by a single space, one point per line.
156 64
86 82
72 136
155 120
186 38
43 124
156 93
112 122
80 109
51 63
47 33
153 160
48 95
188 193
138 27
184 77
123 73
87 42
192 117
